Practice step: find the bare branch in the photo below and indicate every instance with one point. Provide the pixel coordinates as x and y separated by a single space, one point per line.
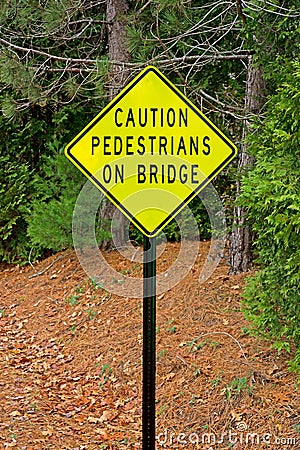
212 56
42 53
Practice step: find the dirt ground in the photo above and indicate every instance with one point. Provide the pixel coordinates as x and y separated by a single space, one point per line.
71 363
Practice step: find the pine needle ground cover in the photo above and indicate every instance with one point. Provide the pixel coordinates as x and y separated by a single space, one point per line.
71 364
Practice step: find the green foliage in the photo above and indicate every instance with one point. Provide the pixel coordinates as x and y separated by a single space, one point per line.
272 33
15 193
44 37
50 224
271 193
177 29
44 103
238 386
72 300
51 97
20 149
55 14
51 211
50 214
24 139
38 186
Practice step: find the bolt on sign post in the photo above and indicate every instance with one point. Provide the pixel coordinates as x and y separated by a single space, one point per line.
150 151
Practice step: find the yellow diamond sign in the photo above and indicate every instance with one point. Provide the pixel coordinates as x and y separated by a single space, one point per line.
150 151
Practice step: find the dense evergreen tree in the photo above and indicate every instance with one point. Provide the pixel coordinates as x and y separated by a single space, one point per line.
269 30
53 80
52 53
271 194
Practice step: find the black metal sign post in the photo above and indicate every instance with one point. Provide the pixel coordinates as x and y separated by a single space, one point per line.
149 331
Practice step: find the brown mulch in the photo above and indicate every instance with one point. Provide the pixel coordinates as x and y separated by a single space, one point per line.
71 360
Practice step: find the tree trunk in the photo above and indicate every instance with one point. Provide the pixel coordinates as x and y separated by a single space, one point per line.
241 242
116 11
116 17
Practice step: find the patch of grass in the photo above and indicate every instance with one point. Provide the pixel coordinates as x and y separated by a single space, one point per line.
162 353
297 428
34 407
193 399
217 380
194 346
105 370
73 330
214 344
72 300
237 386
95 284
162 409
197 371
91 313
171 328
79 290
246 331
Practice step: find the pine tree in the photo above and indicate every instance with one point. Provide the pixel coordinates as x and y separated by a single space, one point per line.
52 53
267 35
271 194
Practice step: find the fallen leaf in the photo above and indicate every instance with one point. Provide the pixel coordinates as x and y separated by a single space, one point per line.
15 413
273 370
281 397
103 433
106 415
93 419
170 376
236 416
47 432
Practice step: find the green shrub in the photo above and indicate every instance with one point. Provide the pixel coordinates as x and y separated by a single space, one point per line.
271 192
50 224
50 215
15 194
51 211
34 181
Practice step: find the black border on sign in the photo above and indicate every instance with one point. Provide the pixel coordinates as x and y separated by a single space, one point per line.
199 187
